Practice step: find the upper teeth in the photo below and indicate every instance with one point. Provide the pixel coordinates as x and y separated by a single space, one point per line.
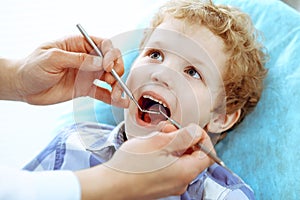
156 100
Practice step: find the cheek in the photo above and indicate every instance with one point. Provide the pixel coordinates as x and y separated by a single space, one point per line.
187 110
134 78
205 100
139 75
195 102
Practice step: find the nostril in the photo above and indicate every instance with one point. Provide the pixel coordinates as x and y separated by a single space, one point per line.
166 84
155 79
161 78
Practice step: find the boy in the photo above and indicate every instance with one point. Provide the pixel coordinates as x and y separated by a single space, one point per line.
199 63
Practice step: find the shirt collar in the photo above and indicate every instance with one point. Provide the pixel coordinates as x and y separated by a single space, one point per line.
100 138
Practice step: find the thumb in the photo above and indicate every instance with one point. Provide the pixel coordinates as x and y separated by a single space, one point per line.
82 61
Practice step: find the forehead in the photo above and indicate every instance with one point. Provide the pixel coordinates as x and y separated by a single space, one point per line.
195 43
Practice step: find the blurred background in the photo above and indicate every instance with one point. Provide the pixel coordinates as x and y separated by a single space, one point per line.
293 3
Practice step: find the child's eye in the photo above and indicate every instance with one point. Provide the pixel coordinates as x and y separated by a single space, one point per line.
191 71
156 55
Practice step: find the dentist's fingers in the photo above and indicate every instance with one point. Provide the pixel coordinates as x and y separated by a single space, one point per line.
101 94
194 149
160 151
82 61
181 141
173 142
168 127
116 97
74 52
106 45
111 95
112 60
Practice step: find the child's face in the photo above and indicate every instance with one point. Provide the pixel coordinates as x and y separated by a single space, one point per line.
180 69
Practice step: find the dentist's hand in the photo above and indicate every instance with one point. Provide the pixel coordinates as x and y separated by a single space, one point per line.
160 162
59 70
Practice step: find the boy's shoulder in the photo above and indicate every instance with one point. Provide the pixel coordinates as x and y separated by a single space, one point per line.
84 136
74 147
217 182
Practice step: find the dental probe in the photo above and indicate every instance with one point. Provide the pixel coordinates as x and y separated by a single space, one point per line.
201 146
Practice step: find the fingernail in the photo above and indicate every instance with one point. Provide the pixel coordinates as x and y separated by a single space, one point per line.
97 61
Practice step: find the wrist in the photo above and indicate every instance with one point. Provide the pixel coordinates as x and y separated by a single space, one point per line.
8 80
102 182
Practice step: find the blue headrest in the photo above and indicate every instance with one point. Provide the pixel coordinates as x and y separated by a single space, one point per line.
264 149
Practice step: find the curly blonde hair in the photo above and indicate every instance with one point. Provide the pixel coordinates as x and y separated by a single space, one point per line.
244 70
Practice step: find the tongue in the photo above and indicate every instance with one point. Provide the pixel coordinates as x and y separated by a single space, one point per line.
154 118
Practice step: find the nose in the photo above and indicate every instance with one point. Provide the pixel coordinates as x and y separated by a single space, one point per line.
163 77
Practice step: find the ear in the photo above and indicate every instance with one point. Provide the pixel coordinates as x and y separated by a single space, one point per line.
221 123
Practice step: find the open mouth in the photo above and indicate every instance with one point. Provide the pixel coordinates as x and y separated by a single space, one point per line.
150 103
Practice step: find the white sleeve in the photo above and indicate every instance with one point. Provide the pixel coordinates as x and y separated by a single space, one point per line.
59 185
